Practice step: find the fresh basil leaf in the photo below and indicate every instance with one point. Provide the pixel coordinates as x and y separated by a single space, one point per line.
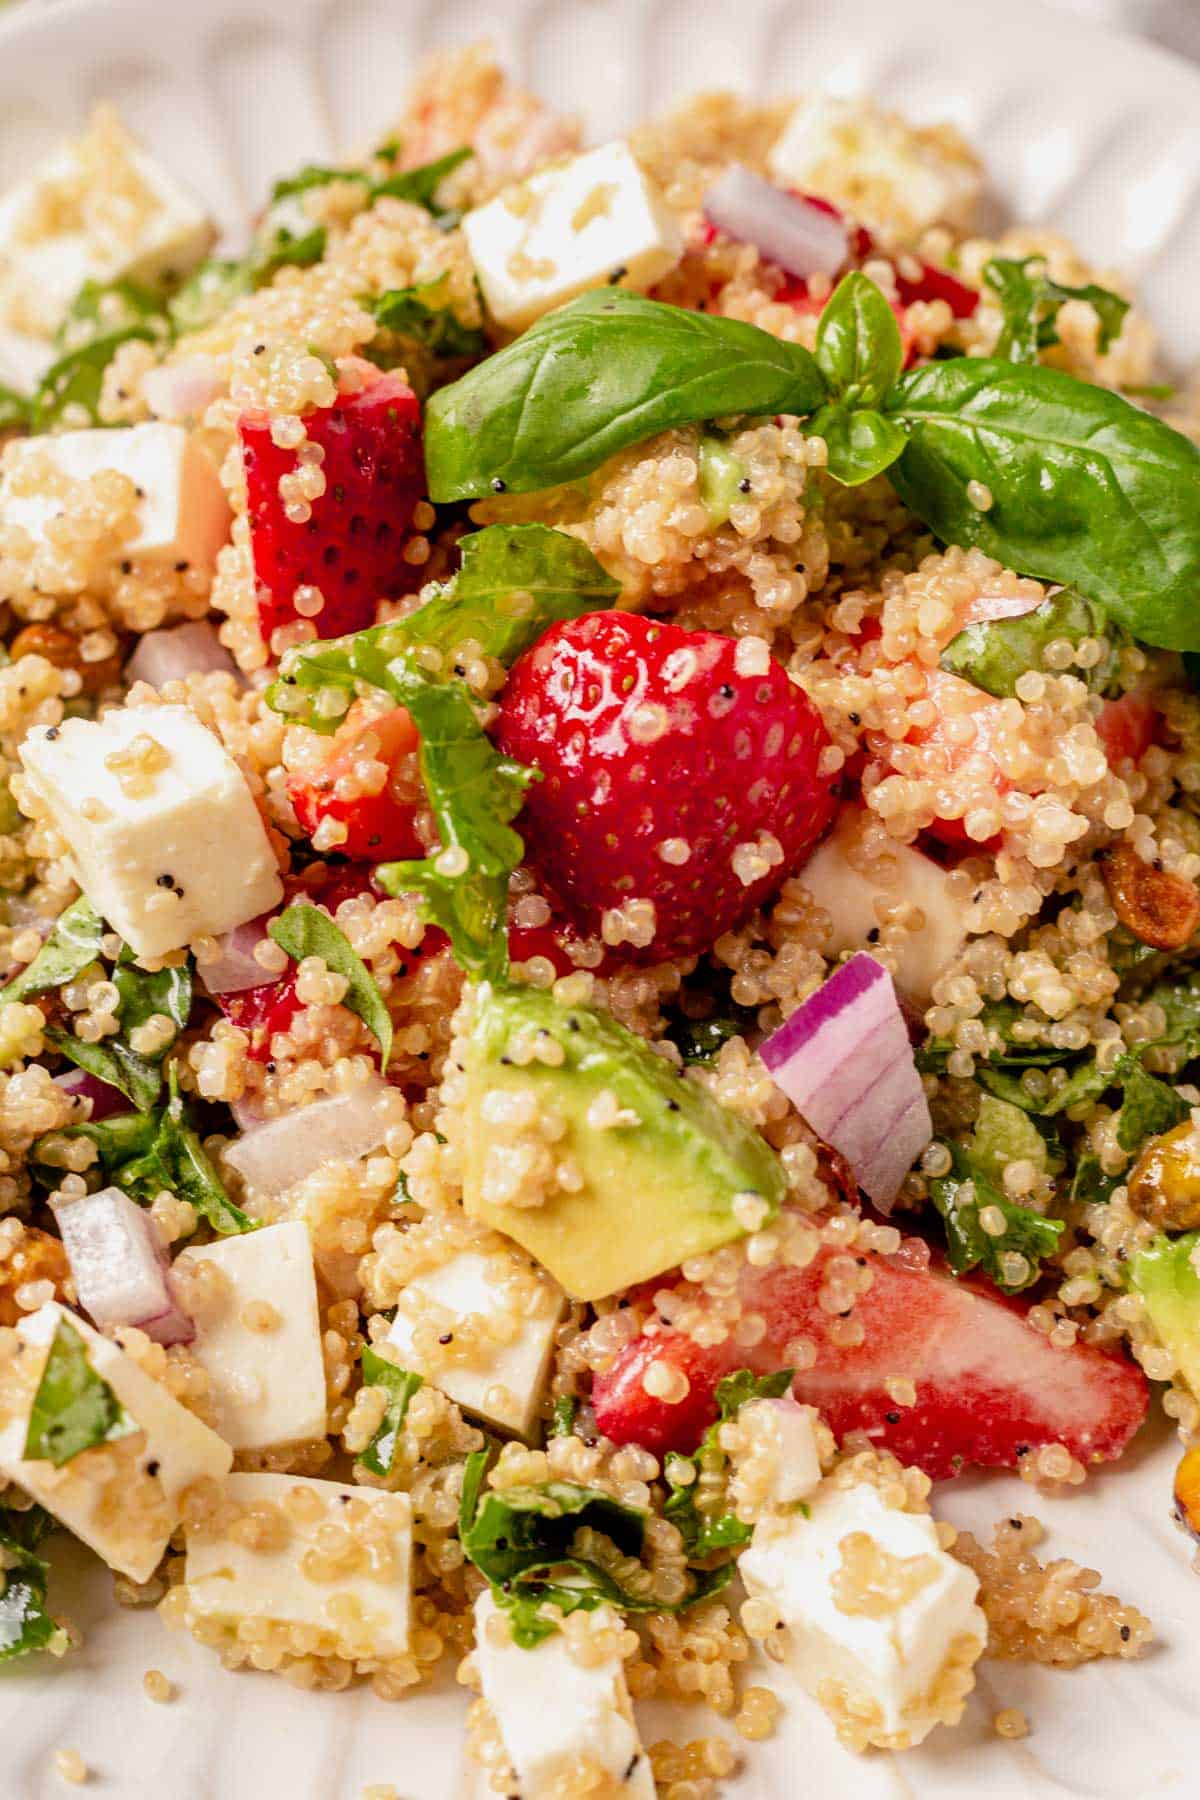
700 1040
1000 1018
1086 489
565 1410
208 292
419 186
706 1533
961 1196
424 316
15 410
101 308
994 654
313 175
605 371
860 442
1003 1134
72 945
74 1408
303 930
474 792
401 1384
144 1152
287 236
1031 302
859 349
25 1625
1179 998
1149 1106
514 582
145 994
112 1061
1090 1185
518 1528
75 380
474 1474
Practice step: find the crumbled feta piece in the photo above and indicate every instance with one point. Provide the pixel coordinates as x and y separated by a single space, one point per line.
163 830
783 1436
99 209
355 1593
258 1334
180 513
122 1498
882 1625
503 1380
554 1712
881 169
595 221
850 897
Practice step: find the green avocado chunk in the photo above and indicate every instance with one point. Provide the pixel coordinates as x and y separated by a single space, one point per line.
658 1162
1166 1278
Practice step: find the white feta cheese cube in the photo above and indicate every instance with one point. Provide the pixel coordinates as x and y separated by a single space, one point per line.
99 209
882 170
882 1625
258 1334
553 1712
495 1365
850 898
360 1610
590 222
178 514
782 1438
163 830
122 1498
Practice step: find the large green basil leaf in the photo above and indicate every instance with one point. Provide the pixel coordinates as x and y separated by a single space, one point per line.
860 442
74 1408
603 372
72 945
1085 489
303 930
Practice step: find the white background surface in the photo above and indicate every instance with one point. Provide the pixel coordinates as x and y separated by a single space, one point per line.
1097 135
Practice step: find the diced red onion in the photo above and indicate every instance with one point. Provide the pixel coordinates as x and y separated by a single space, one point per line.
845 1062
273 1157
169 655
119 1266
182 389
105 1098
802 238
237 969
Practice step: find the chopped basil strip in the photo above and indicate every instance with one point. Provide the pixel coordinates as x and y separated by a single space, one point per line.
303 930
705 1533
1031 302
74 1408
961 1196
400 1385
72 945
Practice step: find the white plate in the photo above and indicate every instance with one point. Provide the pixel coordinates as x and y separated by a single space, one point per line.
1097 134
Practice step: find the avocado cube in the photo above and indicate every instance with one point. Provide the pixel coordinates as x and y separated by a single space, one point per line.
1165 1274
586 1148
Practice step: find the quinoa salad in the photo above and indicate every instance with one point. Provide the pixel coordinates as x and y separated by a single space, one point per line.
599 927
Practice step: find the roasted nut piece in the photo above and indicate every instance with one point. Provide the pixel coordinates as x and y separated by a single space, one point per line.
1187 1490
62 648
35 1256
1161 909
1164 1184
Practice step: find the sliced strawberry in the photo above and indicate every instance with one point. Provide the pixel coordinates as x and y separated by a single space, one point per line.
990 1388
1126 728
938 284
351 547
263 1012
664 765
370 785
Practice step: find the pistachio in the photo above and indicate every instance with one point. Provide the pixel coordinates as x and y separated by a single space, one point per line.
62 648
1161 909
1164 1184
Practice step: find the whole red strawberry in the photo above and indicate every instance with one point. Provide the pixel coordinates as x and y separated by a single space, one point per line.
352 545
672 774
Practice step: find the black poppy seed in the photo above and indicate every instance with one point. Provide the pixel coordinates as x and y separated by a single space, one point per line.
153 1466
447 1337
499 485
1126 1634
164 881
52 733
893 1418
126 566
744 485
1017 1524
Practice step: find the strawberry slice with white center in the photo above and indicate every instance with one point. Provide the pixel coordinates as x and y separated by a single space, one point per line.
331 559
990 1389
